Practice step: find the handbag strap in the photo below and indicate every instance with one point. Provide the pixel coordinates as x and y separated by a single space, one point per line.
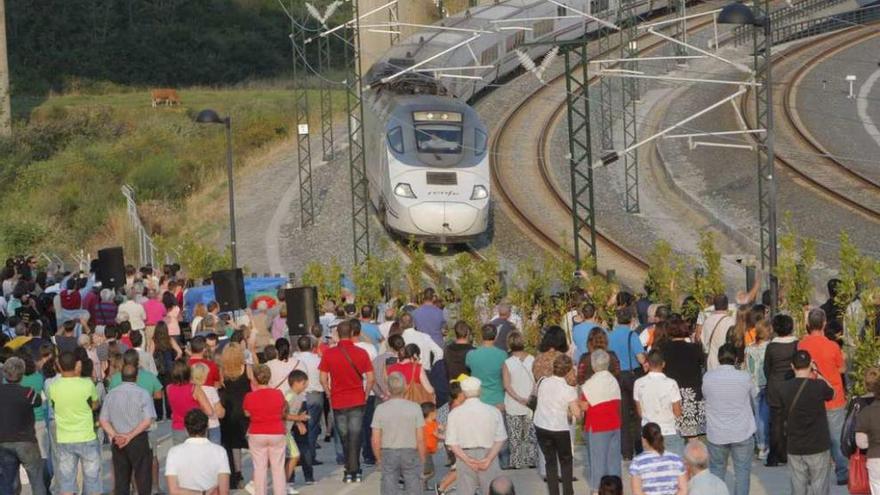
521 363
712 333
797 396
348 358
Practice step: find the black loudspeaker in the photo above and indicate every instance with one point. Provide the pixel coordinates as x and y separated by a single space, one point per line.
302 309
110 268
229 289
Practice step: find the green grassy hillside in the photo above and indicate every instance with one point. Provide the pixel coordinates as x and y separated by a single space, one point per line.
60 175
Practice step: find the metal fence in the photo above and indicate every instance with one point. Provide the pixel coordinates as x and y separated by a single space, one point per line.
145 246
784 16
814 27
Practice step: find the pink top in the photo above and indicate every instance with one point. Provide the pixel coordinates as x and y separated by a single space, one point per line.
279 326
181 399
171 319
154 310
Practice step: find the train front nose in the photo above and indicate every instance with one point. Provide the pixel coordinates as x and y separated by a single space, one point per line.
443 218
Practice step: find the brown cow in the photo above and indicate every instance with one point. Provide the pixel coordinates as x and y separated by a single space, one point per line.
164 95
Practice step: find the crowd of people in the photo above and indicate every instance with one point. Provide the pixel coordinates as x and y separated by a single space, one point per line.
673 399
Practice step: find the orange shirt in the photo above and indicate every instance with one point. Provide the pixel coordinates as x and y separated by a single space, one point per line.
829 359
430 436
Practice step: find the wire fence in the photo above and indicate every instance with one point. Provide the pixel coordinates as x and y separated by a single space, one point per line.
146 248
785 16
823 25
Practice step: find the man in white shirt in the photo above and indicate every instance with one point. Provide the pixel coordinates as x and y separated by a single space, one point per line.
132 312
715 330
426 344
328 317
210 474
658 400
314 392
475 433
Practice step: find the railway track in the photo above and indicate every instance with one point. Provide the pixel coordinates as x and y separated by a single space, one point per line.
816 169
531 196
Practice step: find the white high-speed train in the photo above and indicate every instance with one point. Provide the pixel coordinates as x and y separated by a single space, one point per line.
427 163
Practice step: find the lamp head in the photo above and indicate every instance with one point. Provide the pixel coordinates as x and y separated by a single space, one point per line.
209 116
738 13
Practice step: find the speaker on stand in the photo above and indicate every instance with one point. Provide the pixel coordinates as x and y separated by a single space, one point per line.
110 268
302 309
229 289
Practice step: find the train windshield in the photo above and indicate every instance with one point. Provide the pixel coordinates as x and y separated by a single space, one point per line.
438 138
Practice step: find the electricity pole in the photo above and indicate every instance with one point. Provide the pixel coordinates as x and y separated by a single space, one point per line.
5 105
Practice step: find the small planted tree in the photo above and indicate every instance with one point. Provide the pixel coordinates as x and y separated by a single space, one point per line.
415 268
666 272
796 259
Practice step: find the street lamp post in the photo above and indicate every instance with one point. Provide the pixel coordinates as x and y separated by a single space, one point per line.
740 14
211 117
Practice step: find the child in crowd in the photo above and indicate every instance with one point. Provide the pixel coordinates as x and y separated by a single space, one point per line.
456 398
433 432
297 434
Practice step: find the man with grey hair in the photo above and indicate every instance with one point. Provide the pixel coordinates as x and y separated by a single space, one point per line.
18 439
601 402
397 439
702 481
504 326
475 433
132 311
502 486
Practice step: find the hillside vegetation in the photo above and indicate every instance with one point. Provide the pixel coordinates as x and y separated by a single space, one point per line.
60 175
147 42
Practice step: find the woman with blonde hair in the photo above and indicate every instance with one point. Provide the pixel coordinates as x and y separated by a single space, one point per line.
754 363
234 423
198 376
200 311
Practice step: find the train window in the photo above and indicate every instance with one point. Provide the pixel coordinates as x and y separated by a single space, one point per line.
480 140
395 140
438 138
561 11
489 56
597 6
542 28
515 40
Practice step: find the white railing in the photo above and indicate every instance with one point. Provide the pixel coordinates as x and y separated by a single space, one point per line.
145 246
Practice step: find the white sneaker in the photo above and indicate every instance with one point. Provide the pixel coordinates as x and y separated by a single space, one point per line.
250 487
291 490
762 454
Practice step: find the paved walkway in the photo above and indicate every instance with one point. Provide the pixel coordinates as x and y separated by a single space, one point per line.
764 481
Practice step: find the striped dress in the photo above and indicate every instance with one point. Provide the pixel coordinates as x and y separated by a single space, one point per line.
659 472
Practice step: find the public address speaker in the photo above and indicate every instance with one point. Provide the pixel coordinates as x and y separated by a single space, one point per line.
110 269
229 289
302 309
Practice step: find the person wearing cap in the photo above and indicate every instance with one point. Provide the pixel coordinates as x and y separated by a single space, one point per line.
475 433
809 438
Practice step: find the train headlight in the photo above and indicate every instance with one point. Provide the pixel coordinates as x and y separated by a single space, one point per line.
480 192
404 190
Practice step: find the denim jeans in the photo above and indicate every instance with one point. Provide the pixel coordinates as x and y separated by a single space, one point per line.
810 474
21 453
367 429
349 423
70 455
836 417
315 408
742 453
762 419
604 453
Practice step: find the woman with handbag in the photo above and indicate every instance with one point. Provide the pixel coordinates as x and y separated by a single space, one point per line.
518 385
418 387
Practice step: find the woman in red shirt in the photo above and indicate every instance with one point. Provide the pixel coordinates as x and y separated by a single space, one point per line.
267 410
183 397
408 365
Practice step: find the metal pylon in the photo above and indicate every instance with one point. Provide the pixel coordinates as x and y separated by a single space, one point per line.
360 213
394 17
577 103
628 49
764 120
679 8
606 97
325 98
301 117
